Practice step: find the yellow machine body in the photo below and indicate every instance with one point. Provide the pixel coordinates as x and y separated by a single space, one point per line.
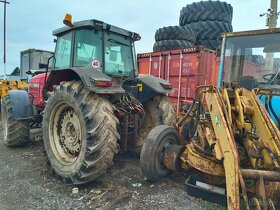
244 144
6 85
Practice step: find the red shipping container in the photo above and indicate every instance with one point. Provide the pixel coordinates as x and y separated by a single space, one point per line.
185 69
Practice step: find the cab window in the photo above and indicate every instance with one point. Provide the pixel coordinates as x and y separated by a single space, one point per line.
63 51
88 48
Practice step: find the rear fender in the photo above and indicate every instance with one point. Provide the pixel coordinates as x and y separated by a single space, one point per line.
155 83
22 107
87 75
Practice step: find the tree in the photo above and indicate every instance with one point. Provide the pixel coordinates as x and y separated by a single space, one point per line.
16 72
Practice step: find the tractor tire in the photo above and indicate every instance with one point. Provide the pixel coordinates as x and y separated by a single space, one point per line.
175 32
16 132
171 45
212 44
151 153
210 29
80 133
206 10
158 111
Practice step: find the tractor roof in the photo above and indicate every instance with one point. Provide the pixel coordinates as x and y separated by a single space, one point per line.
99 25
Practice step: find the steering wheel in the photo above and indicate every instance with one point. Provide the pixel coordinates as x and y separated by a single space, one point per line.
267 77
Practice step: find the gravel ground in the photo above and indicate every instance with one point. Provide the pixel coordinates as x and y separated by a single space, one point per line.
26 182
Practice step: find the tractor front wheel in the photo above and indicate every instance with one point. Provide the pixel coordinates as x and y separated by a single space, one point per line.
152 153
16 132
80 133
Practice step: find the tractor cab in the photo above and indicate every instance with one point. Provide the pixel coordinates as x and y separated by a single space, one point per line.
251 59
96 45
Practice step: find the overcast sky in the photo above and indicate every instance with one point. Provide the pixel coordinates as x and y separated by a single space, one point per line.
30 22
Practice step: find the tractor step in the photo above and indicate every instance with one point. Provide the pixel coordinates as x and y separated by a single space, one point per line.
195 186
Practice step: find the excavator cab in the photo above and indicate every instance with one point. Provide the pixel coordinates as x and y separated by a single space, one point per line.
251 59
228 140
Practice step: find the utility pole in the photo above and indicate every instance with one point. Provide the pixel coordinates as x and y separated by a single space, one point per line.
5 4
272 21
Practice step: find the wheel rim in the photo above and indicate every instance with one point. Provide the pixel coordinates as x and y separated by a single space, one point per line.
164 144
65 133
5 123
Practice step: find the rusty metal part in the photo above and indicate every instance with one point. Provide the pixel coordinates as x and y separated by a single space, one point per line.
171 157
209 165
260 192
262 91
256 174
244 191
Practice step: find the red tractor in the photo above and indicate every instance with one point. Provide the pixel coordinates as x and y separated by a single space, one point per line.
92 103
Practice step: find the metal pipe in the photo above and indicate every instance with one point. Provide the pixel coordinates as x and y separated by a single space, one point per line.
4 57
180 80
159 66
256 174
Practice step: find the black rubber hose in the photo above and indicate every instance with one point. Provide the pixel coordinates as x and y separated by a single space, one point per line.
272 111
183 121
196 118
266 103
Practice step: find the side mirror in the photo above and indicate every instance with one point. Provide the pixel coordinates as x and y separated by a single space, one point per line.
43 66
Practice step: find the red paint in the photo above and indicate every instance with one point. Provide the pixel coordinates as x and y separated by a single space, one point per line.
36 85
197 66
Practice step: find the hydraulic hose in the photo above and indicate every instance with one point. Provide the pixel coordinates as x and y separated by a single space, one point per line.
183 121
272 111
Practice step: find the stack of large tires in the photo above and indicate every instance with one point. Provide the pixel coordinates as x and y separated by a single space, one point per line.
174 37
209 19
201 23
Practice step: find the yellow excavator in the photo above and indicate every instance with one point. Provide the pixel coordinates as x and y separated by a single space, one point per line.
231 139
7 85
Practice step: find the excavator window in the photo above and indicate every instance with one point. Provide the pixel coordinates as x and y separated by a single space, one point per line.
248 59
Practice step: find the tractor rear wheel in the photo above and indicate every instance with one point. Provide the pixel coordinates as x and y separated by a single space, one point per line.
80 132
151 158
158 111
16 132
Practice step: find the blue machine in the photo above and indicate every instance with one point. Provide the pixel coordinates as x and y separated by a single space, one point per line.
273 106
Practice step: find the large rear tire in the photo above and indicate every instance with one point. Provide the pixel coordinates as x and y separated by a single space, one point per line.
210 29
159 111
151 158
16 132
171 44
175 32
212 44
206 10
80 133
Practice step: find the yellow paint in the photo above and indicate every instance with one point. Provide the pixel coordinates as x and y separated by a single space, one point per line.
140 87
6 85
